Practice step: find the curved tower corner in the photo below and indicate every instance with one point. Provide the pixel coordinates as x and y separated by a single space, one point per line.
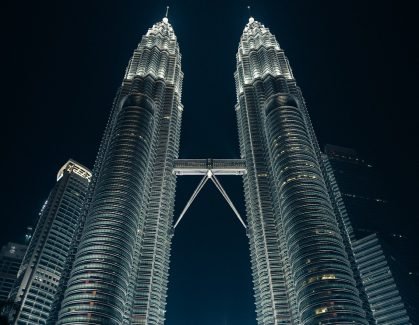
120 268
301 270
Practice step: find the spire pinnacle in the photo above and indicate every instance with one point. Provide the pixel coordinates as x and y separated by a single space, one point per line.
165 19
251 19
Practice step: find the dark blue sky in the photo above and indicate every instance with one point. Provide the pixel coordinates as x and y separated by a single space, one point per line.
356 62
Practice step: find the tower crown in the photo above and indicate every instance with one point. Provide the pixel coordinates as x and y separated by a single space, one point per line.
158 56
256 35
72 166
259 55
163 29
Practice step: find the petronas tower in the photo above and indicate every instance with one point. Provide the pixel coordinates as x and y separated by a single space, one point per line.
301 269
119 274
301 243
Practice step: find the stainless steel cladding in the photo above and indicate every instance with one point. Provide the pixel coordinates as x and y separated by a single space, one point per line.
131 207
301 271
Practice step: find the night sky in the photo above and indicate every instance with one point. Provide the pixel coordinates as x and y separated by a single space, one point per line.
62 61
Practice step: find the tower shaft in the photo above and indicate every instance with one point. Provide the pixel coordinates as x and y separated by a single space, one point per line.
301 271
119 274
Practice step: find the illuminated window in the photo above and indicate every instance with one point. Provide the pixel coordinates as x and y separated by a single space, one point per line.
321 310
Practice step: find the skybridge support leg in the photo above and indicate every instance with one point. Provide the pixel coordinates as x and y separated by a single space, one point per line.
226 197
194 195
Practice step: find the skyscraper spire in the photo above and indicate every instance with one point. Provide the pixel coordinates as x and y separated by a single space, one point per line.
131 208
301 271
166 19
251 19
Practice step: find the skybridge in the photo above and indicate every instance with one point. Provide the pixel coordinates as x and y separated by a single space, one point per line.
216 166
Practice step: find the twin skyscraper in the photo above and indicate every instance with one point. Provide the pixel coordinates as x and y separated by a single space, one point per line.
117 261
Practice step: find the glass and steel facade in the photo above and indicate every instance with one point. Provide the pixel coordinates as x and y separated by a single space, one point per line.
301 269
381 291
120 270
43 264
387 292
11 256
362 191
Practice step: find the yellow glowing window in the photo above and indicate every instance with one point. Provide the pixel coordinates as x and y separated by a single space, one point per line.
321 310
328 276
